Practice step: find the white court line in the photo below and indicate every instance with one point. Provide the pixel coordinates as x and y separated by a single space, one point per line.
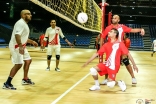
60 97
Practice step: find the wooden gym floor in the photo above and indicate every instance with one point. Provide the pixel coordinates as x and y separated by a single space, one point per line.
70 86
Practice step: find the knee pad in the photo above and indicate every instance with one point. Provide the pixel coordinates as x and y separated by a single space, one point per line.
57 57
49 57
126 61
93 71
111 84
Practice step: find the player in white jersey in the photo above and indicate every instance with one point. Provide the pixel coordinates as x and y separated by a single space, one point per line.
154 47
53 33
18 49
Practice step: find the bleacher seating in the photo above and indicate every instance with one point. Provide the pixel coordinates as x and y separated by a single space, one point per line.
6 25
2 41
136 38
70 31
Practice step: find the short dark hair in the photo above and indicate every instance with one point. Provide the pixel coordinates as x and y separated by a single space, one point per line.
116 31
52 20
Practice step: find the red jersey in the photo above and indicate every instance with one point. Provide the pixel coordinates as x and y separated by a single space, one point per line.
121 28
127 42
42 37
41 40
113 52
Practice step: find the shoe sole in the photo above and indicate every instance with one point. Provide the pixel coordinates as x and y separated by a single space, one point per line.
8 88
27 84
93 90
47 69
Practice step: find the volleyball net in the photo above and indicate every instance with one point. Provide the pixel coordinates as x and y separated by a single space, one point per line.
69 9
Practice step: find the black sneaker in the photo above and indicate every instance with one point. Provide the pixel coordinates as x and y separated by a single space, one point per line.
27 82
7 86
57 69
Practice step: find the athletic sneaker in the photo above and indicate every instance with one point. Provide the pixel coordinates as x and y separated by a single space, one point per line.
27 82
57 69
122 85
48 69
95 87
104 82
7 86
134 81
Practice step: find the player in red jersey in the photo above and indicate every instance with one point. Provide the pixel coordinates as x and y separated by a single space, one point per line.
127 41
122 30
42 42
113 50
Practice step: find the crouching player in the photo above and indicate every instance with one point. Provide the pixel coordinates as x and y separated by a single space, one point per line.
113 50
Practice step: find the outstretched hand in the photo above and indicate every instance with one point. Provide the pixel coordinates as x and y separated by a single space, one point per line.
35 43
135 68
84 65
71 45
142 32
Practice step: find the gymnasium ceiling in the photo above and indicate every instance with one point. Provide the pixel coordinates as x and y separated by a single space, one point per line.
130 11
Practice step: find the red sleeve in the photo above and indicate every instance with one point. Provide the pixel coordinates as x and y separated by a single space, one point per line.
102 50
105 32
123 48
126 29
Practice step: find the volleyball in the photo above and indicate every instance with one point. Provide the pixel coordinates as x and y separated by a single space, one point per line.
82 17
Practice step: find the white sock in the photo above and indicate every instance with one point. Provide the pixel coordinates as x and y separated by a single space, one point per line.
96 82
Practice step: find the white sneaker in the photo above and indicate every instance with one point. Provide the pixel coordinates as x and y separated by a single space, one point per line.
134 81
48 69
95 87
57 69
104 82
122 85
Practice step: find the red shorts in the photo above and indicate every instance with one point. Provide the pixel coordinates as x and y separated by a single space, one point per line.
106 70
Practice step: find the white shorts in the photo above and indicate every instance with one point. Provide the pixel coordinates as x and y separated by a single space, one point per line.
52 48
154 49
17 58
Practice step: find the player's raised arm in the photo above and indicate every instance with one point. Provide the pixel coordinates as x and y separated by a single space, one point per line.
141 30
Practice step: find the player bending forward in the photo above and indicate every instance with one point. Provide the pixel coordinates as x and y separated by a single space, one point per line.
113 49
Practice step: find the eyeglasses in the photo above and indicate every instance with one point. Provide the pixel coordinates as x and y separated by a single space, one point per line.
53 22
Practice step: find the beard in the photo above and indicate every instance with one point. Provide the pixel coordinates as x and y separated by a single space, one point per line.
27 19
114 22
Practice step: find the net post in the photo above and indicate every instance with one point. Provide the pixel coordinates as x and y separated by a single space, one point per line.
103 5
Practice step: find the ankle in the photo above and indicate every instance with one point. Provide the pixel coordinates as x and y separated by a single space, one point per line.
25 78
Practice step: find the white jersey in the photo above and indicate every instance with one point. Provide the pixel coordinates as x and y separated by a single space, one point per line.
53 35
154 45
21 28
